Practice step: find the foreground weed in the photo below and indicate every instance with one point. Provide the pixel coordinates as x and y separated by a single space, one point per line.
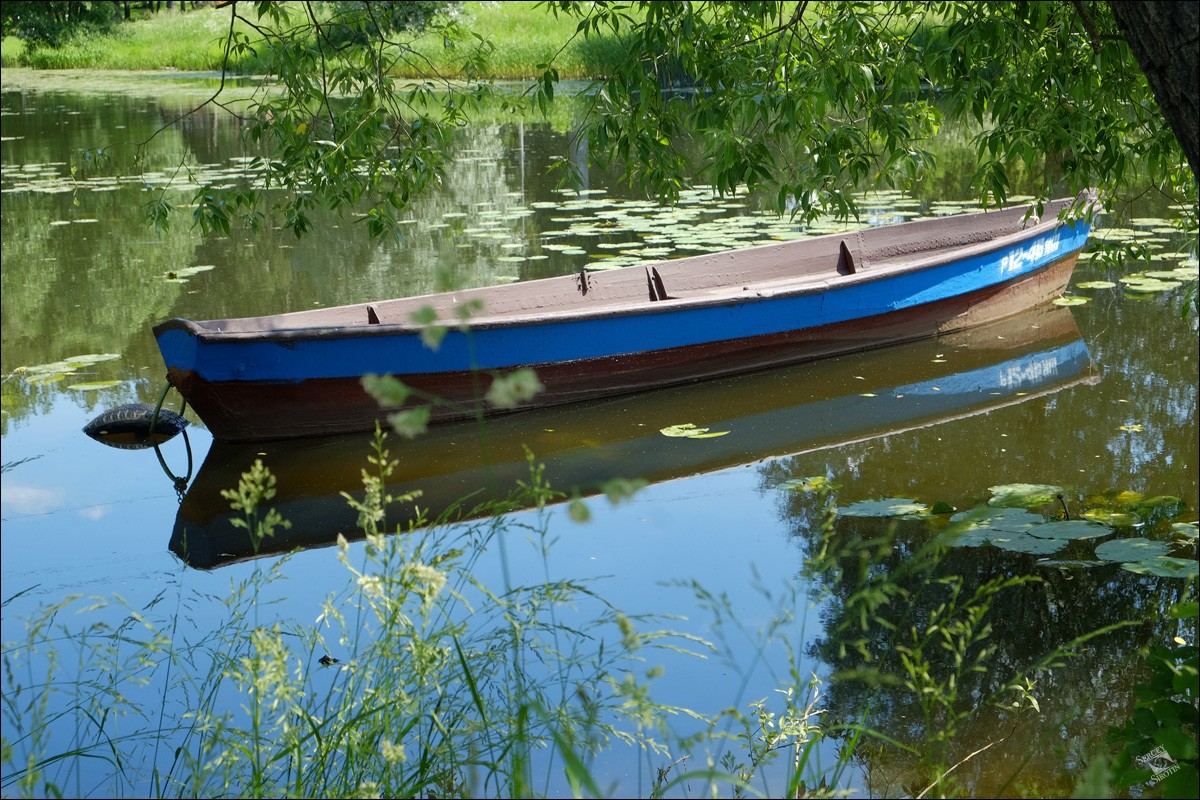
417 679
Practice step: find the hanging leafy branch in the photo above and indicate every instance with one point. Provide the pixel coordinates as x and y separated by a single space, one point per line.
813 101
806 102
333 128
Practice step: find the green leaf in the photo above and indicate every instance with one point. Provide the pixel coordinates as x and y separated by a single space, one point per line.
411 422
93 385
388 391
1186 610
890 507
816 483
618 489
1132 549
508 391
1023 495
578 511
1187 530
1070 530
688 430
1165 567
431 334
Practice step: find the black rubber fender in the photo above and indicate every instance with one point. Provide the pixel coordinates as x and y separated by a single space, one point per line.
128 426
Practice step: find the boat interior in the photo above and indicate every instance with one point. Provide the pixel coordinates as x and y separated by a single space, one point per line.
791 266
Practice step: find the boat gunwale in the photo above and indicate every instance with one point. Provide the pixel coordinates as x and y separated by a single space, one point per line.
774 289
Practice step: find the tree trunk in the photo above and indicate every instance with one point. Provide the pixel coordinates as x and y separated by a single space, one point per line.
1165 39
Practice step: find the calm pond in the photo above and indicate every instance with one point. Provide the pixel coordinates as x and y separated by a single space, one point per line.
1099 399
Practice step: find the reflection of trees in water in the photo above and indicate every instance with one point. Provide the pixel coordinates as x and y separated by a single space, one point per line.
1048 749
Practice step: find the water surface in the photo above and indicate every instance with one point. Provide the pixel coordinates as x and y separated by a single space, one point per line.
1099 398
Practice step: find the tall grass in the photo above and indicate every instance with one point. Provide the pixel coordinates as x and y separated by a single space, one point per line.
415 680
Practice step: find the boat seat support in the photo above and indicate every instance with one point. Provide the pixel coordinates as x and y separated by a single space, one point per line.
654 281
846 261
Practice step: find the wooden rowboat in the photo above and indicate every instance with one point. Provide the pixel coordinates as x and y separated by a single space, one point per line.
595 334
803 408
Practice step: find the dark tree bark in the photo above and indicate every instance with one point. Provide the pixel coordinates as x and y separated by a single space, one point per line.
1165 39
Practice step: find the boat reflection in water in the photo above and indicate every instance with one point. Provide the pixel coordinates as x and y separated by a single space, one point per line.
778 412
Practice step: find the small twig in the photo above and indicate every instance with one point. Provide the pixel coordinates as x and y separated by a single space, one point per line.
959 764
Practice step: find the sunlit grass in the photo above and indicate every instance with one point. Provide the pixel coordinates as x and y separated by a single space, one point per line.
524 35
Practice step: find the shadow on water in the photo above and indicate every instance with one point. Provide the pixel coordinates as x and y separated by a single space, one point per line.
763 415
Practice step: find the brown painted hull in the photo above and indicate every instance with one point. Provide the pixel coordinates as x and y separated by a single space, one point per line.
254 410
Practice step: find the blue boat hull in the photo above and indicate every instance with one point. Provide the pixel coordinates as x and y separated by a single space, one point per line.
308 381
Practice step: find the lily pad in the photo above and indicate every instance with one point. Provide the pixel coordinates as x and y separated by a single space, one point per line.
1000 519
93 385
1069 301
1095 285
815 483
1070 563
1159 507
1069 530
1031 545
1181 274
1140 283
688 430
1165 567
41 379
1114 519
889 507
1023 495
1187 530
1137 548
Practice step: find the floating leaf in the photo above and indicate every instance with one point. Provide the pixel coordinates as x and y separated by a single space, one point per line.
1166 567
1069 530
941 507
1185 529
1162 506
1114 519
688 430
1023 495
1069 301
1131 428
91 358
889 507
1030 545
39 380
1070 563
93 385
1180 274
816 483
1140 283
1136 548
1096 285
1005 519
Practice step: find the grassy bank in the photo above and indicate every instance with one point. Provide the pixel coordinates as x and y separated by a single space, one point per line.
524 35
